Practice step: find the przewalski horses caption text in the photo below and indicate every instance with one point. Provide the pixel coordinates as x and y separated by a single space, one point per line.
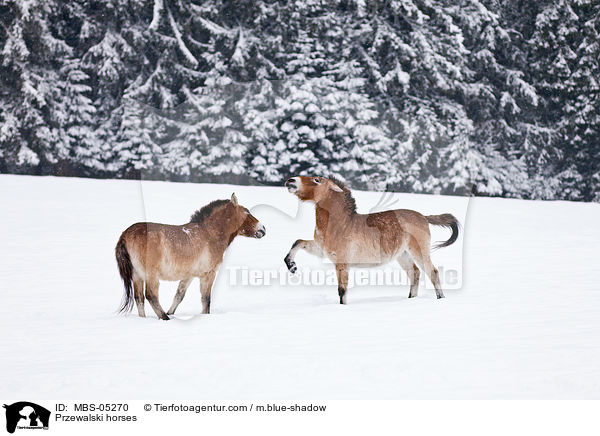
149 252
349 239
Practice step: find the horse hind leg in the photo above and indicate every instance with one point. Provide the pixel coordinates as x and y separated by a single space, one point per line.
420 254
181 290
434 276
412 271
152 297
138 293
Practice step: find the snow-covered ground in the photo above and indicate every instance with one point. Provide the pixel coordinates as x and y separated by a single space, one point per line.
521 319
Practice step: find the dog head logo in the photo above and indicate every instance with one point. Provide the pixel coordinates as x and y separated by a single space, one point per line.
26 415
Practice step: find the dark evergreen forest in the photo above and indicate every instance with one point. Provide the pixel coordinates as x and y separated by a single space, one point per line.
485 97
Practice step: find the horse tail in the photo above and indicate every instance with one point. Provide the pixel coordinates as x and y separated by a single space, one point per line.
445 220
126 272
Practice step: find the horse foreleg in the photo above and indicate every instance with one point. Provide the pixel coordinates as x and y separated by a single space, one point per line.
412 271
301 244
152 297
206 283
341 270
181 290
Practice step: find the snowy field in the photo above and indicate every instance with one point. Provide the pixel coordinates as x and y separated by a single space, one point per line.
521 320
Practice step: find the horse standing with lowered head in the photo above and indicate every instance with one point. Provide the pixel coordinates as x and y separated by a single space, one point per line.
351 239
149 252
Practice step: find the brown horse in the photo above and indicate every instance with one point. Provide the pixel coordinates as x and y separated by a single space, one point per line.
149 252
348 238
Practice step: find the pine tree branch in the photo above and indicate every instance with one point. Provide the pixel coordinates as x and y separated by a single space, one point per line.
186 52
158 7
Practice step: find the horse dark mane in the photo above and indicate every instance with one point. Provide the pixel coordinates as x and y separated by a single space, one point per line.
349 201
204 212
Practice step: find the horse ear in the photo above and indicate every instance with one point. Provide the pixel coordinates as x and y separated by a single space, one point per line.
335 187
234 199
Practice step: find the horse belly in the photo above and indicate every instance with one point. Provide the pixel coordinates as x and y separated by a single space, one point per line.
369 255
175 266
368 259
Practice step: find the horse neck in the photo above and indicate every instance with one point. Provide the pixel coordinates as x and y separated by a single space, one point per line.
332 206
225 230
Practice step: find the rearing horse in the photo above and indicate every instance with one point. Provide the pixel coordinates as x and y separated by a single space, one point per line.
351 239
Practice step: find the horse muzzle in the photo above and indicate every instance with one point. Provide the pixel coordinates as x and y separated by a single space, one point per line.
260 232
292 185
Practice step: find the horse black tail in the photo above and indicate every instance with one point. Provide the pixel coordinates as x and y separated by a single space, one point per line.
445 220
126 272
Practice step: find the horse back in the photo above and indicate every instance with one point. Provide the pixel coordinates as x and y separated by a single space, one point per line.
167 252
397 226
397 219
376 238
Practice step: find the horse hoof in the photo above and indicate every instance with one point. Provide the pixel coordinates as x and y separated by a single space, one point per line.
291 265
165 317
